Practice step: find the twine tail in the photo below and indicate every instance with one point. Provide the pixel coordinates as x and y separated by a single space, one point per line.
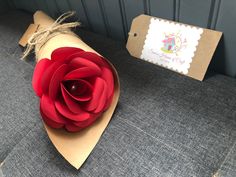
27 51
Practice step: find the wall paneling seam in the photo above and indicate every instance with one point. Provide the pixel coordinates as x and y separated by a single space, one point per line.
146 5
176 10
104 17
211 12
215 14
124 18
86 15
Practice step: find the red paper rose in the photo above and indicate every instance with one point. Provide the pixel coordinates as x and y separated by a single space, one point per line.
74 87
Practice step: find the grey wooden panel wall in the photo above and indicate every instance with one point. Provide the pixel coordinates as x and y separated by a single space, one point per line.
113 18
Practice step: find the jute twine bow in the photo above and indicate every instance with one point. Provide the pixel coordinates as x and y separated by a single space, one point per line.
39 38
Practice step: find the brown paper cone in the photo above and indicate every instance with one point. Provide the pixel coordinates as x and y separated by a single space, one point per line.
74 147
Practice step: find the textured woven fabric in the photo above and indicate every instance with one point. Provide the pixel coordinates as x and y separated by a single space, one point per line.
228 167
16 94
1 174
18 102
165 124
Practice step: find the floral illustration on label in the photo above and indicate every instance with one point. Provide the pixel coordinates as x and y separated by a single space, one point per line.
174 43
171 45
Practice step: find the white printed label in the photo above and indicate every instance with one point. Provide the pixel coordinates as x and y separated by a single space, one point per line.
171 45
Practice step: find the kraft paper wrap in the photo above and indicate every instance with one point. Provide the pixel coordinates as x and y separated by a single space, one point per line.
74 147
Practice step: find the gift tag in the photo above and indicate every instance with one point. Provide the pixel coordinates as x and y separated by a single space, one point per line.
179 47
31 29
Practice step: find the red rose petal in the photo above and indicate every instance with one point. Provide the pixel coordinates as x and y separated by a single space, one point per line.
77 126
88 122
108 102
40 68
72 105
82 73
97 92
93 57
55 81
107 75
63 52
50 122
79 62
63 109
102 99
47 75
48 109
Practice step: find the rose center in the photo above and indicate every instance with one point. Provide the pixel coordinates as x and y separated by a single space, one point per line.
80 90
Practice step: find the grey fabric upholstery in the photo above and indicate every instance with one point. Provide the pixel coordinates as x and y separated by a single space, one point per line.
18 103
17 99
165 124
229 165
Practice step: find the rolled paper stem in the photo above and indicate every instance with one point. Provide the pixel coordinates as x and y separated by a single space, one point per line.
74 147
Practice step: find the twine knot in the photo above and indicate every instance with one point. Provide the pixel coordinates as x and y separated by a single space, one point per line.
39 38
